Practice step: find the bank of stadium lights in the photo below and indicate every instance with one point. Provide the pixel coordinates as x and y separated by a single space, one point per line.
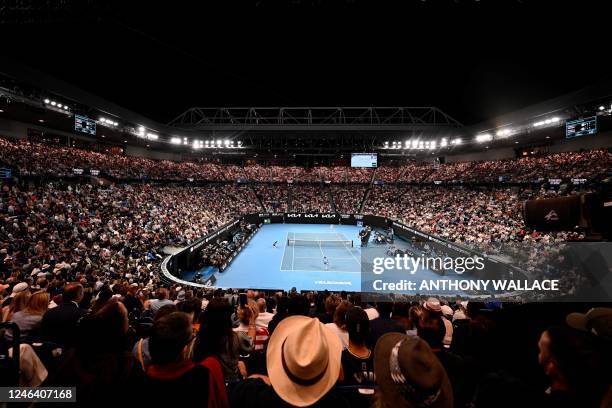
141 132
605 109
545 122
206 144
503 133
108 122
485 137
415 144
49 103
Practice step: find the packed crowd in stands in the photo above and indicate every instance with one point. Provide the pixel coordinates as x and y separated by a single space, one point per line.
114 231
110 336
217 253
347 199
477 217
274 198
486 219
311 198
41 159
79 276
589 164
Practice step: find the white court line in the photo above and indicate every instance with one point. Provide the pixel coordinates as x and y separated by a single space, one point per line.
322 256
328 271
284 247
314 257
354 257
292 254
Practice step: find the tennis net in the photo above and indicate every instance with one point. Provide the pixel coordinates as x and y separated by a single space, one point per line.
319 242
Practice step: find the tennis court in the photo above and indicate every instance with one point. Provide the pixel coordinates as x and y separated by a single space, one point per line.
304 252
300 264
297 259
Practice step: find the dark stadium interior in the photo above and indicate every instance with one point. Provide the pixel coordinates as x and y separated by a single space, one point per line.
193 196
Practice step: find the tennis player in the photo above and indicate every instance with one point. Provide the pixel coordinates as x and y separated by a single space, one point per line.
325 263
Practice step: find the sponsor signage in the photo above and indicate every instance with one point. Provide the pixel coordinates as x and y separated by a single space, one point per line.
312 218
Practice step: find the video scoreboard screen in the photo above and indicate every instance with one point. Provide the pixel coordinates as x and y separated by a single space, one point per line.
581 127
368 160
5 173
84 124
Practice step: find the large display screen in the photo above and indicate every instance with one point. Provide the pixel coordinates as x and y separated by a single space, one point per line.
369 160
84 124
5 173
581 127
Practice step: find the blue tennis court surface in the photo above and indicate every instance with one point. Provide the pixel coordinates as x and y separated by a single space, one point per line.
260 265
305 252
298 259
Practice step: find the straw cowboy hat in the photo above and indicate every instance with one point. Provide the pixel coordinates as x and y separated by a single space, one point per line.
304 359
409 374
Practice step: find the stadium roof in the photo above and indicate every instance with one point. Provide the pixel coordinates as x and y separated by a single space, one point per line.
472 59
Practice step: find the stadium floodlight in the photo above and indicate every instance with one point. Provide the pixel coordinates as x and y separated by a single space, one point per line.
59 105
66 107
432 145
53 103
227 142
175 140
484 138
602 107
415 144
47 101
406 144
152 136
555 119
239 143
219 142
